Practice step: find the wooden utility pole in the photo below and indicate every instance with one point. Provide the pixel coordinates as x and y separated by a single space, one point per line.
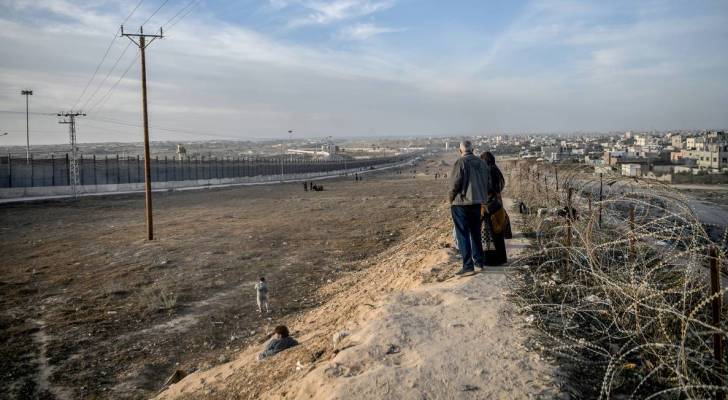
142 44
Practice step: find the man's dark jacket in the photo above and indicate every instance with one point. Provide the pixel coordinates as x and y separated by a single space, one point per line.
469 181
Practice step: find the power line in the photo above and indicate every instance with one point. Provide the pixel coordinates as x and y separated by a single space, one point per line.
113 67
155 12
99 104
23 112
106 53
161 128
132 12
96 71
190 6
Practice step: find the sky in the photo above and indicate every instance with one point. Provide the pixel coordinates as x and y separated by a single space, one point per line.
243 69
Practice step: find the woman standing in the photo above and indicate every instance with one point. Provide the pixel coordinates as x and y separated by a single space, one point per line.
494 244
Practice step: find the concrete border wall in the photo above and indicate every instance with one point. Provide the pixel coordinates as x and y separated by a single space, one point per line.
31 193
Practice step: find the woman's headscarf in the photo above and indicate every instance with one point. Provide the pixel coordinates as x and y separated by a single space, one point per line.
497 180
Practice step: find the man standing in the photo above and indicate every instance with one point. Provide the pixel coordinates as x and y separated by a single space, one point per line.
469 182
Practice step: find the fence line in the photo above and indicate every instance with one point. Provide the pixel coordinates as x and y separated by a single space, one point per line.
54 171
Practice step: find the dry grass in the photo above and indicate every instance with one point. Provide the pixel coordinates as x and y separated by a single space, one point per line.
625 312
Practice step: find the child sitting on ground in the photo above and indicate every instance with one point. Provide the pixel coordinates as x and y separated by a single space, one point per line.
279 341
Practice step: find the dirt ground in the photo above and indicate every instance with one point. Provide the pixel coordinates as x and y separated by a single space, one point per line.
89 309
405 328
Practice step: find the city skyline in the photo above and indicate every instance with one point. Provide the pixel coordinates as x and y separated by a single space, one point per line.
254 70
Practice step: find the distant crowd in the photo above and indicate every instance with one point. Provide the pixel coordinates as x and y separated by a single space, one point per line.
312 187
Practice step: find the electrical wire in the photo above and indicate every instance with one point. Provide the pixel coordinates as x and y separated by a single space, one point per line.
23 112
106 96
179 12
189 7
161 128
113 67
192 4
106 53
155 12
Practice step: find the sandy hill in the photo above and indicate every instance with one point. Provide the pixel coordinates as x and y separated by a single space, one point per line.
400 328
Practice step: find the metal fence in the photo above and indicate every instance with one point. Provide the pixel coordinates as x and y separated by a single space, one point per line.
54 171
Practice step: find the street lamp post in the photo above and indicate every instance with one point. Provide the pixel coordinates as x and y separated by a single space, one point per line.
27 93
290 136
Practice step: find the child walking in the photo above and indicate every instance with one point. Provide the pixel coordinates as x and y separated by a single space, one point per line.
261 291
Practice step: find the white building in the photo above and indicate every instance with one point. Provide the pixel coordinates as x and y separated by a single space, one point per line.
631 170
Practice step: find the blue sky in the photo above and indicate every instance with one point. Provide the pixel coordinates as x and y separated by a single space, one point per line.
254 69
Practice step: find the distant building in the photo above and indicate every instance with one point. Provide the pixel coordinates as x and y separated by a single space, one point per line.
631 169
695 143
551 153
676 141
181 152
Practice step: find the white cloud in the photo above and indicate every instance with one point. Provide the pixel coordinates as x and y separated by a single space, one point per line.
322 12
213 76
364 31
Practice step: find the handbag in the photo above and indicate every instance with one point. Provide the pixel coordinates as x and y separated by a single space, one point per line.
498 220
507 232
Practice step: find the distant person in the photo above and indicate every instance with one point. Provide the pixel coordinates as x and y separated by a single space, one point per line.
310 185
495 217
280 340
468 192
261 295
305 186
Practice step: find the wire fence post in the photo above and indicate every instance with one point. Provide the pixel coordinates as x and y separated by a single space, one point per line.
546 186
589 201
569 216
32 170
53 170
717 305
631 234
95 178
601 197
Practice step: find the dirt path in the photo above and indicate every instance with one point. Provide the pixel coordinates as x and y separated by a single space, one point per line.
44 386
458 339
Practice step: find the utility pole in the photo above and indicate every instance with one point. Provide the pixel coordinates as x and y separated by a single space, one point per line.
70 119
142 44
27 93
290 137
